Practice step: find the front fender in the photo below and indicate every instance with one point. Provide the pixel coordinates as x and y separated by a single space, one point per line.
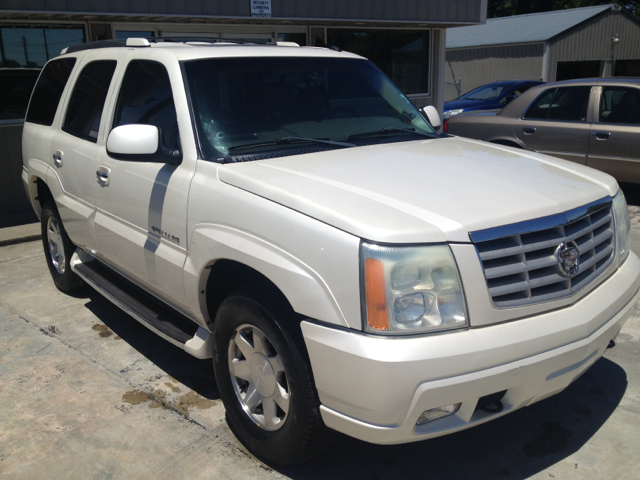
303 286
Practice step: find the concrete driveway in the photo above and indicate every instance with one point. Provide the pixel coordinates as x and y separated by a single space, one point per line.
87 392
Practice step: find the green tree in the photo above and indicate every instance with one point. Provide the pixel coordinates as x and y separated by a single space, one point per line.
507 8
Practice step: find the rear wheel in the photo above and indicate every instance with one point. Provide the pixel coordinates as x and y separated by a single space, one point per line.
58 250
265 382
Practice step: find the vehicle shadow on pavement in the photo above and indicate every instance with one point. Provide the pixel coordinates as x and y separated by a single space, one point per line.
515 446
193 373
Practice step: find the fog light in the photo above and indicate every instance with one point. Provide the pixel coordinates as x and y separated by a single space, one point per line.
436 413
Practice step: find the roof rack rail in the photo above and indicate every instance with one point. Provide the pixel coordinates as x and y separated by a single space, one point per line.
187 39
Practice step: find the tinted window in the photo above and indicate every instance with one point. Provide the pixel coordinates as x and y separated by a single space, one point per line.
146 98
87 101
48 90
620 105
563 104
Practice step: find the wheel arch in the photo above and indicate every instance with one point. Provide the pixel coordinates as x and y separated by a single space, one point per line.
223 259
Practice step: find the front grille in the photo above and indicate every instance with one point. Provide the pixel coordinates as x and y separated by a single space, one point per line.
522 268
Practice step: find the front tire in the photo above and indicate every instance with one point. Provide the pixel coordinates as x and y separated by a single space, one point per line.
58 250
265 382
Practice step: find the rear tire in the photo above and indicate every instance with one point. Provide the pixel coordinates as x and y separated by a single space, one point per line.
58 250
265 382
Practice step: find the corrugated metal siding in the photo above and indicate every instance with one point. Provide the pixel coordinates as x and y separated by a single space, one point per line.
478 66
592 41
454 11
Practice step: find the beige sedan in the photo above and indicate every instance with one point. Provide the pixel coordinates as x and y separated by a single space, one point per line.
594 122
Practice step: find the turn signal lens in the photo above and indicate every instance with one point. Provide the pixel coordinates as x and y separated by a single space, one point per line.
377 315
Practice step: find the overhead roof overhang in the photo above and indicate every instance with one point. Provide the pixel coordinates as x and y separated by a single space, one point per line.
44 16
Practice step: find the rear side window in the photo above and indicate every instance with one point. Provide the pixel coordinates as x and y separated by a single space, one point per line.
146 98
568 104
620 105
87 100
48 90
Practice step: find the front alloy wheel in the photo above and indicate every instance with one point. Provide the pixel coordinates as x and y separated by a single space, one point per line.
259 378
265 380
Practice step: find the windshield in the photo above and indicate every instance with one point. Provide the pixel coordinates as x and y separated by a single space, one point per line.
248 104
486 92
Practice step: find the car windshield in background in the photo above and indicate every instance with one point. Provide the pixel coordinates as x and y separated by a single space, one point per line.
250 106
483 93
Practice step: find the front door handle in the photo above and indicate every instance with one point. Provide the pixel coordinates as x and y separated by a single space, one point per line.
528 130
57 158
103 175
601 135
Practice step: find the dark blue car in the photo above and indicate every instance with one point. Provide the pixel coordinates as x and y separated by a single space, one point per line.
488 97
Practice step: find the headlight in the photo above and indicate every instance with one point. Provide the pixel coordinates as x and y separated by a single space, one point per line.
623 226
409 290
451 113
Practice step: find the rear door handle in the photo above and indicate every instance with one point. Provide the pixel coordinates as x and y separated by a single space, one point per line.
103 175
528 130
601 135
57 158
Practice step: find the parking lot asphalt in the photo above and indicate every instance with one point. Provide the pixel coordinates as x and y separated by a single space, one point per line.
87 392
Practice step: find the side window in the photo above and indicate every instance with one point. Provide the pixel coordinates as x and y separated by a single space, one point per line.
539 109
87 100
620 105
568 104
146 98
48 90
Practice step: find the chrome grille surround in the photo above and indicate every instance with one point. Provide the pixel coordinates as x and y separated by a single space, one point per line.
519 261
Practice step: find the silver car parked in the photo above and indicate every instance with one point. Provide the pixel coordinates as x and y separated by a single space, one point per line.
594 122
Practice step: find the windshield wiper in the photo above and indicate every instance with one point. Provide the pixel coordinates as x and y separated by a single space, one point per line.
287 140
389 130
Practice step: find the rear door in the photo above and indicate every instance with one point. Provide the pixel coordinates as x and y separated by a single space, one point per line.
74 147
141 220
615 136
557 123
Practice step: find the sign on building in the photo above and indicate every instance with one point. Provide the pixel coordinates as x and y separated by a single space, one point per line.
261 8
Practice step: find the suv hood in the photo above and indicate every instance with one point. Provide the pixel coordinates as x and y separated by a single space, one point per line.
421 191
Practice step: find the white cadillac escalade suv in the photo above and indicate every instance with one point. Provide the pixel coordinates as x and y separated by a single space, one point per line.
289 213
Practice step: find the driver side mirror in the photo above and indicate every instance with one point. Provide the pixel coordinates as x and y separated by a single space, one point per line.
140 143
432 116
510 98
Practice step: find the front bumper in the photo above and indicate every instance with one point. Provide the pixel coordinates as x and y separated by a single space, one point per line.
375 388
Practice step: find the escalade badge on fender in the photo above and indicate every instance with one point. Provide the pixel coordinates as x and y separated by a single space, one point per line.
568 258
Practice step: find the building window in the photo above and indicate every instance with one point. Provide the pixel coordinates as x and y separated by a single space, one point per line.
33 45
24 49
402 55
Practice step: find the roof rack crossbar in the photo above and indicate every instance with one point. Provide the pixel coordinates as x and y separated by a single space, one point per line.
179 39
